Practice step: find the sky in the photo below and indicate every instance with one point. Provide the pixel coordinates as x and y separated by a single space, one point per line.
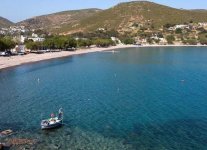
18 10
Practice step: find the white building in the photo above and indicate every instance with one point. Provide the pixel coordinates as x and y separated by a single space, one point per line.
163 41
37 39
34 35
203 24
22 39
2 32
116 40
155 37
100 29
181 26
19 49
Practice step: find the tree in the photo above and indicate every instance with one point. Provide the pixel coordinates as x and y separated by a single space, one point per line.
84 43
149 40
29 45
103 42
49 43
128 41
2 45
6 43
160 35
60 42
170 39
71 43
34 45
191 41
203 40
178 31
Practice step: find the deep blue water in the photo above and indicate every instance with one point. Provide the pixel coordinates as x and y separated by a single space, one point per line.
146 98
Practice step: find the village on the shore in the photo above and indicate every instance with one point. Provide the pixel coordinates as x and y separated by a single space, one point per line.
20 40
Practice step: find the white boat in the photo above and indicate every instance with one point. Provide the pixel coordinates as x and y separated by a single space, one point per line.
53 122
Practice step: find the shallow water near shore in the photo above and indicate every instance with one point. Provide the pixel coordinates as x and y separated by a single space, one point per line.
136 98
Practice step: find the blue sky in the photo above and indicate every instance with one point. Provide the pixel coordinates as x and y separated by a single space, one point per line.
17 10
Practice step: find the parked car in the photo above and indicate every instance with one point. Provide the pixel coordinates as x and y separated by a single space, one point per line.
2 53
6 53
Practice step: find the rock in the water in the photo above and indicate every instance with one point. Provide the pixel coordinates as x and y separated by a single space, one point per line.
6 132
17 141
55 146
3 146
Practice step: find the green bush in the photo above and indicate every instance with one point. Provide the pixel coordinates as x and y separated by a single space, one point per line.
203 41
191 41
170 39
178 31
103 42
128 41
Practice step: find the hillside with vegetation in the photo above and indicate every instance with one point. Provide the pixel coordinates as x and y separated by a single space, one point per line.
131 15
124 17
53 22
5 22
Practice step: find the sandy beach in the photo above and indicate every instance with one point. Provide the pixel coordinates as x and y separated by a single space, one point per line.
6 62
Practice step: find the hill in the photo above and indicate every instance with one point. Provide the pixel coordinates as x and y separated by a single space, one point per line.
55 21
200 10
5 22
125 15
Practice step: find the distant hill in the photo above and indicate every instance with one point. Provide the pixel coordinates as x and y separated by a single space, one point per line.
124 15
200 10
5 22
58 20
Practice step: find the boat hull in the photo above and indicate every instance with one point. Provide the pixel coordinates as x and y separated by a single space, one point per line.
51 126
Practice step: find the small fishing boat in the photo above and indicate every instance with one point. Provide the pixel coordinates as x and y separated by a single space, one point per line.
53 122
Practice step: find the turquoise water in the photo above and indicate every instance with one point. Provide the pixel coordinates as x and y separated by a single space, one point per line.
137 98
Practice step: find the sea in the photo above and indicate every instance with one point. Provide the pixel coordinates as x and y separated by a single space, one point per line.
126 99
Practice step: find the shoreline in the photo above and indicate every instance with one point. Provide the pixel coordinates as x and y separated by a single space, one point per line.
8 62
175 45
